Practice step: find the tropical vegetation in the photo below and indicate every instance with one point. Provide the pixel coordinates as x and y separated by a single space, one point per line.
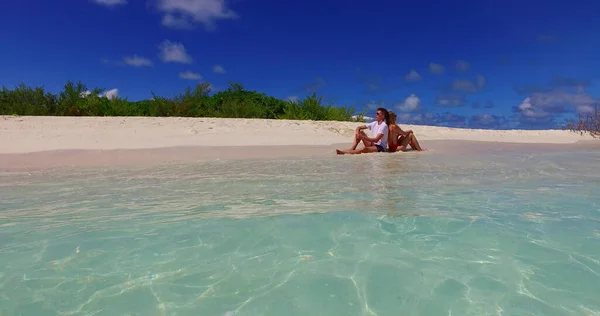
235 102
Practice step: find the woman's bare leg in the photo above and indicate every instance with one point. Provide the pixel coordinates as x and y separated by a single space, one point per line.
414 143
404 142
400 138
409 140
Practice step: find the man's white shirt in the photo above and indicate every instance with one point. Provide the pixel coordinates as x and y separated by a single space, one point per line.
376 129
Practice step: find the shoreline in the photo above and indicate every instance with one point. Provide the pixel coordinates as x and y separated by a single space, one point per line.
77 158
30 142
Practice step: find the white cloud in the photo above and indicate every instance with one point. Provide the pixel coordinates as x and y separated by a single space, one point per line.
528 110
292 98
175 22
410 104
218 69
110 2
366 118
413 75
544 104
436 68
186 13
469 86
110 94
137 61
173 52
188 75
409 118
450 100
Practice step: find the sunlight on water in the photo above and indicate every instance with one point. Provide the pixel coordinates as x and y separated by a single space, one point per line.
412 234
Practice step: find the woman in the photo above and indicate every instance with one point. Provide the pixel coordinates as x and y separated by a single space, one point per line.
399 139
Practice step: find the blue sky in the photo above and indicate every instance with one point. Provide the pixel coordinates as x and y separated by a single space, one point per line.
481 64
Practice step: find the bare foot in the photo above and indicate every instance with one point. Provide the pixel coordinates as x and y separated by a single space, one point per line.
339 152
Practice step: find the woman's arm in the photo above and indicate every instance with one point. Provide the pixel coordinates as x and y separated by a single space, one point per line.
404 133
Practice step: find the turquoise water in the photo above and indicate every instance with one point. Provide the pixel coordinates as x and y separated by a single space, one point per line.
406 234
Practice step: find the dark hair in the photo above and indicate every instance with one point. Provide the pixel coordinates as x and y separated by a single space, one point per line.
386 114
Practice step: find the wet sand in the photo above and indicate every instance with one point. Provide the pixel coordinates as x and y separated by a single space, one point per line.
33 143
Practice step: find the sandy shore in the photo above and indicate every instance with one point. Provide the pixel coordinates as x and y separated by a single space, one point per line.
31 134
59 141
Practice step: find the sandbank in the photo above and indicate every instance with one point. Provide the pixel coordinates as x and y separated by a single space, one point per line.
51 142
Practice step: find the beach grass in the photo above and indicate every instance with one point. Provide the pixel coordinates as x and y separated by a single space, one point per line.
235 102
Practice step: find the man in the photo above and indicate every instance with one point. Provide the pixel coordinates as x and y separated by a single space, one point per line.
378 141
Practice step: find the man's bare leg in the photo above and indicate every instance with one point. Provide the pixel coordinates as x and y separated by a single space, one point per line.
357 141
369 149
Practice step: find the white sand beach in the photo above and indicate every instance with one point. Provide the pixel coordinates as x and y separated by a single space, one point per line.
31 134
64 139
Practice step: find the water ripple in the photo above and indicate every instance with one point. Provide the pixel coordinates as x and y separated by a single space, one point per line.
506 234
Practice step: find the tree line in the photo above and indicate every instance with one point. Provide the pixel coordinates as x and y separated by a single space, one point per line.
235 102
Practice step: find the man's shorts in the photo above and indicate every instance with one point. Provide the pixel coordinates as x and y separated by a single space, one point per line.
380 148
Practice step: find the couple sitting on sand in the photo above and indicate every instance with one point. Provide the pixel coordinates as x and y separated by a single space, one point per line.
383 128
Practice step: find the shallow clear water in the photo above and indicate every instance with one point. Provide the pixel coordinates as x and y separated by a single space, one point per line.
406 234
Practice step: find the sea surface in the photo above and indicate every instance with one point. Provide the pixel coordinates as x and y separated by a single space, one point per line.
504 233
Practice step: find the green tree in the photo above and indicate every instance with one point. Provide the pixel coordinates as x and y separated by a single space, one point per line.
235 102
